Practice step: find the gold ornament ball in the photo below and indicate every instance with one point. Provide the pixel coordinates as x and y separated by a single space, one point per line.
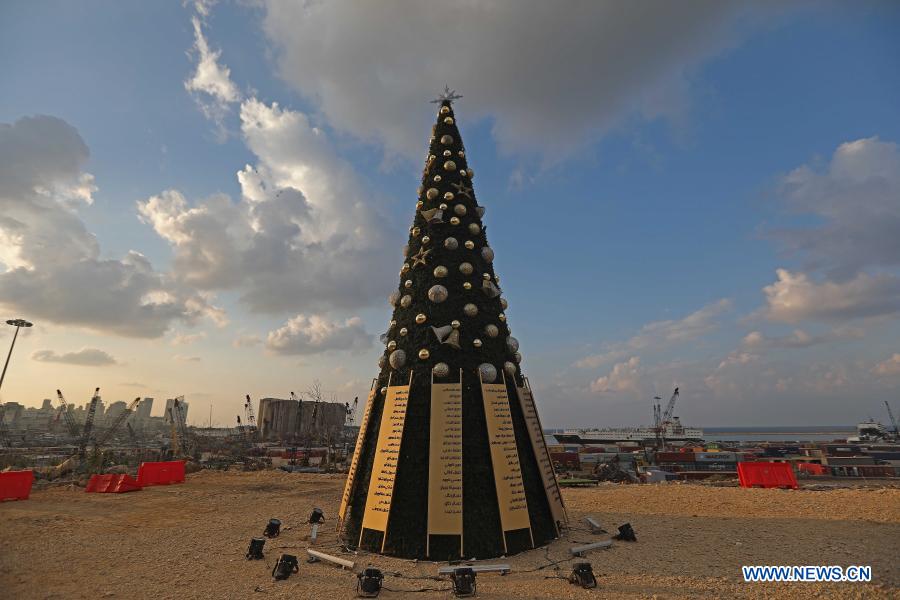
476 342
460 210
404 268
420 318
455 324
474 228
419 205
502 317
416 231
445 110
447 154
467 286
407 283
486 276
431 157
392 345
393 323
383 390
446 140
470 173
432 193
448 120
454 220
425 239
448 196
497 278
461 154
504 304
424 354
437 178
449 165
470 244
403 331
440 271
442 206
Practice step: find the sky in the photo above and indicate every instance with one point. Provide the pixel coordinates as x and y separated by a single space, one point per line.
210 198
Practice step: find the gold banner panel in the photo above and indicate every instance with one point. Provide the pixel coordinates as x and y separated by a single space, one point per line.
445 515
351 472
387 452
545 465
505 458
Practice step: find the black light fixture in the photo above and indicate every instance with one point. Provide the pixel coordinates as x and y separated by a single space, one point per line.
273 528
583 575
286 565
463 582
255 551
368 584
626 533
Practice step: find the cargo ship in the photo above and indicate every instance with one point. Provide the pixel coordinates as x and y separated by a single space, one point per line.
672 431
667 428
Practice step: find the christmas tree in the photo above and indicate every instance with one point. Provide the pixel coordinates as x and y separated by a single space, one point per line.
450 460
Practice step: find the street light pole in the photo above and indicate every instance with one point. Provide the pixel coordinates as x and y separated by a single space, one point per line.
18 324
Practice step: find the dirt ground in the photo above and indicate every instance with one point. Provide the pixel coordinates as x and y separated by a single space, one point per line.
188 541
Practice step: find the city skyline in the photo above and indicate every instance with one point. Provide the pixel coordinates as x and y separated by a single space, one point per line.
210 199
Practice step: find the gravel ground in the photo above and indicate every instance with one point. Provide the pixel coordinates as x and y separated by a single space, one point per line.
188 541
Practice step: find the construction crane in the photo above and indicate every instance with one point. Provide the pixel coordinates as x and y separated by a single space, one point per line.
248 411
4 434
657 422
181 423
89 423
891 417
111 430
670 408
67 415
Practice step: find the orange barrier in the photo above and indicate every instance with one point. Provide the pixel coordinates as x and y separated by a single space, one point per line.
112 484
160 473
766 475
15 485
811 468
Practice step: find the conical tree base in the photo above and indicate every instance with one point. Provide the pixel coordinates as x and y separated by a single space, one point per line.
450 461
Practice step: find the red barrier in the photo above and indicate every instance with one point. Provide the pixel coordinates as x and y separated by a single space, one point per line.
160 473
766 475
811 468
112 484
15 485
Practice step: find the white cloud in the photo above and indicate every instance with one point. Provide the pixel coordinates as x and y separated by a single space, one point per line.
53 267
796 297
856 199
246 341
86 357
799 338
660 334
184 358
551 78
313 334
186 339
305 236
624 377
890 366
210 85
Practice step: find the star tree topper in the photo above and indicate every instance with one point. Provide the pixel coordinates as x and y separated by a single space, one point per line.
448 96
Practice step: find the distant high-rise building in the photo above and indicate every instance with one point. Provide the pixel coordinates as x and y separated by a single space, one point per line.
115 409
143 410
170 405
47 404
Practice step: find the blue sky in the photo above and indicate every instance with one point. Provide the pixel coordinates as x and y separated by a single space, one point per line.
647 172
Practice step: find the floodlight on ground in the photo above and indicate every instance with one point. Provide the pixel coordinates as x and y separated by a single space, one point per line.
255 551
273 528
286 565
368 583
583 575
580 550
626 533
463 579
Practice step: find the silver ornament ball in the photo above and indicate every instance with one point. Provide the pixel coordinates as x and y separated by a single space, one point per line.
441 369
397 359
487 253
488 372
470 310
512 344
451 244
437 294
